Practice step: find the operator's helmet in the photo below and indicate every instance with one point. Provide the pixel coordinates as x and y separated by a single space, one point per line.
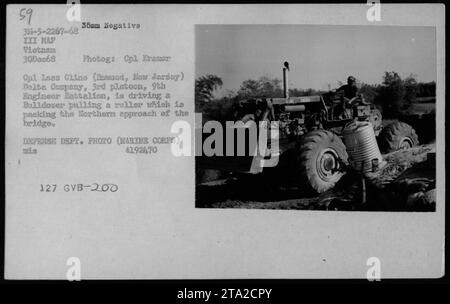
351 79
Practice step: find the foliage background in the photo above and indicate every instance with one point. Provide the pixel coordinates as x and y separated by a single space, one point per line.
394 96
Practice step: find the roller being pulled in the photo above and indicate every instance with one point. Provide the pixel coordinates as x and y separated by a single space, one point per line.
362 148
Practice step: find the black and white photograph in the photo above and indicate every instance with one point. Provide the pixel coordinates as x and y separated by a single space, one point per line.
354 109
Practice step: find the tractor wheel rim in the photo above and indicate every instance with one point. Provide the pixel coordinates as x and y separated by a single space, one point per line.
405 143
327 164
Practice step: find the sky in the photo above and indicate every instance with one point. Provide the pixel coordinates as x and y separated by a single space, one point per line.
319 55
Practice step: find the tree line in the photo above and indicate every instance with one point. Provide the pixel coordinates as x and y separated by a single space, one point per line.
394 95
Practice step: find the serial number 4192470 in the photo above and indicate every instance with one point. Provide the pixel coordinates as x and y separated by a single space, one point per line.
79 187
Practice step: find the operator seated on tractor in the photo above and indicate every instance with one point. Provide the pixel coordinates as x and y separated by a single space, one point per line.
350 95
349 90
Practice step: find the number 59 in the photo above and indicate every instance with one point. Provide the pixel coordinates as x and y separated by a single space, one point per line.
26 12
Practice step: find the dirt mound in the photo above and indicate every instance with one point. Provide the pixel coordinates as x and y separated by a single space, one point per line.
405 183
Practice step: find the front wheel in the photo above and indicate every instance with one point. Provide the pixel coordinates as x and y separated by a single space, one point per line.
321 158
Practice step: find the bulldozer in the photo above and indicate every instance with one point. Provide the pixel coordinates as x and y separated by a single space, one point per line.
309 138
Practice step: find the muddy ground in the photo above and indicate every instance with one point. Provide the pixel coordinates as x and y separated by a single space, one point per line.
405 183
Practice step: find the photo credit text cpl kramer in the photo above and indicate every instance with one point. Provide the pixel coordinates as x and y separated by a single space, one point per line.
94 190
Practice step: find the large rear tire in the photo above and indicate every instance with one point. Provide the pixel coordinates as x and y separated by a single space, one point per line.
321 158
397 136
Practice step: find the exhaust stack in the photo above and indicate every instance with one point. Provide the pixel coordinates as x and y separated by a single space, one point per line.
286 80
